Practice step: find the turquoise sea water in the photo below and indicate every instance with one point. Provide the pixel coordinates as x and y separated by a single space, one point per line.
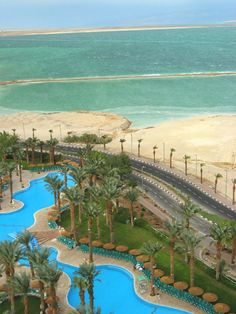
144 101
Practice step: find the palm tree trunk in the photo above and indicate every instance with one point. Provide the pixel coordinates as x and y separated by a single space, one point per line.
91 297
33 156
154 156
201 175
131 215
172 261
138 150
191 269
98 227
11 186
53 155
110 223
59 202
215 185
90 225
218 259
42 302
53 295
55 198
26 304
27 154
233 250
41 154
12 301
1 183
152 287
20 171
72 218
79 214
122 148
81 296
50 155
171 160
65 180
233 194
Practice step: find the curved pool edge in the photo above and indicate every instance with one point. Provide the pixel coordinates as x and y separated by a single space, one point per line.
115 266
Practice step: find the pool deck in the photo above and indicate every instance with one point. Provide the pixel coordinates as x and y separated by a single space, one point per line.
76 257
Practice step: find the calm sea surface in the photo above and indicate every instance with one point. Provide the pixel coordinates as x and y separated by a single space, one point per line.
144 101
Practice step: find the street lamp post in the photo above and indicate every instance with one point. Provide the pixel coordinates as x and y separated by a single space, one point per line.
33 130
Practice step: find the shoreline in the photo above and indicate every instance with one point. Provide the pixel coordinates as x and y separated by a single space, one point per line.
109 29
117 77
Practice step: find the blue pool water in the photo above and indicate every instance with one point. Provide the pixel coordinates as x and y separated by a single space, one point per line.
114 289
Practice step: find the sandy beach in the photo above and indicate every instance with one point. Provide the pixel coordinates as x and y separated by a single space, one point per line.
107 29
206 139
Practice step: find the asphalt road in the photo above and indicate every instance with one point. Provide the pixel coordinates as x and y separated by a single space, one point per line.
182 184
170 203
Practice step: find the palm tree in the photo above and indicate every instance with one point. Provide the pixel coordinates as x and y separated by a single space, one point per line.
27 145
201 171
65 169
132 197
139 146
190 242
19 158
73 196
189 210
40 257
25 239
111 191
33 131
217 177
90 208
10 166
186 157
10 254
20 283
88 272
232 236
50 275
155 147
151 249
3 172
81 284
78 175
52 143
50 132
172 150
51 186
234 188
59 186
122 140
33 142
174 231
41 144
220 234
105 140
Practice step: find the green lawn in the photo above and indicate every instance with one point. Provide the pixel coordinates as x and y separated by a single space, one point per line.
135 237
34 306
215 218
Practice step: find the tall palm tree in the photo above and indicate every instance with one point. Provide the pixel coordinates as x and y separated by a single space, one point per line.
88 272
20 283
186 158
41 144
33 142
10 166
73 196
50 275
234 188
19 158
25 239
90 209
189 210
52 143
111 191
155 147
151 249
81 284
172 150
27 145
50 132
51 186
217 177
174 231
65 170
40 257
232 236
220 234
139 146
33 131
59 186
201 171
190 242
122 141
132 197
10 254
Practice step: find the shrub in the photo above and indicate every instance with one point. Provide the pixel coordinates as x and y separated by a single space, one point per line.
140 222
122 215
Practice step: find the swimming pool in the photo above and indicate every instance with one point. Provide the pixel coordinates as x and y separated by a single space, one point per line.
114 291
